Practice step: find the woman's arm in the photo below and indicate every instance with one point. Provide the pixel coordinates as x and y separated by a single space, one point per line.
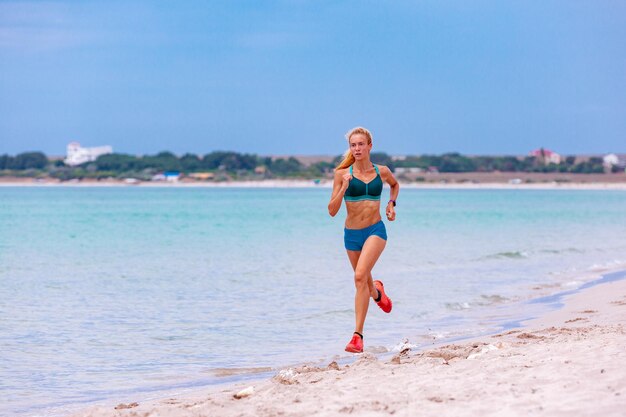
340 185
388 177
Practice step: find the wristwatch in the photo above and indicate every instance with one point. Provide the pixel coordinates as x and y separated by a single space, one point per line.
392 201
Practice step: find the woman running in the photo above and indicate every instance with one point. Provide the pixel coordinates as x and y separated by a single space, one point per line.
360 183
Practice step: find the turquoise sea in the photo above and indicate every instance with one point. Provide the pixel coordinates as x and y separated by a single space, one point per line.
114 293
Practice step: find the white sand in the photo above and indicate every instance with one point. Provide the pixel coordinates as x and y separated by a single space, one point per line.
571 362
551 185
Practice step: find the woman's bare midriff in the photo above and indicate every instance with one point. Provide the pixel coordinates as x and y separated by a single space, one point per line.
362 214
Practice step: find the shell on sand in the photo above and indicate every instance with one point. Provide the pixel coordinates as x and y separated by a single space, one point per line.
246 392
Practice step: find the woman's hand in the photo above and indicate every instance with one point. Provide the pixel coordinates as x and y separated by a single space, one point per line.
345 181
391 212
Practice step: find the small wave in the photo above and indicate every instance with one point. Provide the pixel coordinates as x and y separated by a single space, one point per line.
555 251
558 251
505 255
525 254
458 306
608 266
485 300
492 299
511 255
405 344
437 335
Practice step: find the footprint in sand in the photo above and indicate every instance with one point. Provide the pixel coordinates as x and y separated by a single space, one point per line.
171 401
576 319
435 399
123 406
529 336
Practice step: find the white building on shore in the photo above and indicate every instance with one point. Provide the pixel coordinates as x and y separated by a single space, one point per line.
77 155
613 159
546 156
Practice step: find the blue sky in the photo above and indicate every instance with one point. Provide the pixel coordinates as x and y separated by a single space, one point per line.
291 77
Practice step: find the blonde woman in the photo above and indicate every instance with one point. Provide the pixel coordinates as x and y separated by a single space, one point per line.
360 183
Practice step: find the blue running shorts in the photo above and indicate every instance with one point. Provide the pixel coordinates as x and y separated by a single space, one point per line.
354 239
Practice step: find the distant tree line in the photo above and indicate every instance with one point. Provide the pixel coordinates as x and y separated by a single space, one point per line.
23 161
225 165
233 165
455 162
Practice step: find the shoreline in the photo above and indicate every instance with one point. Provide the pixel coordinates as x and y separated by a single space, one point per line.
325 184
552 343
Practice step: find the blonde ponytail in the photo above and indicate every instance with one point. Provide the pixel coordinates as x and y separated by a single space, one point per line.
348 158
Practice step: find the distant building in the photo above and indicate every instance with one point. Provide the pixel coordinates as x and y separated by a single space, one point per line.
77 155
612 160
202 176
171 176
547 156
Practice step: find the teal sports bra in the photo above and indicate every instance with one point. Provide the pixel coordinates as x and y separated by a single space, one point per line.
362 191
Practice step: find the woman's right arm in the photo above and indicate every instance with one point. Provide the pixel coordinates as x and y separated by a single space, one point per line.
340 185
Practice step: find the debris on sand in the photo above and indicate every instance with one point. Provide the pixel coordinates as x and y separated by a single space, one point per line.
123 406
244 393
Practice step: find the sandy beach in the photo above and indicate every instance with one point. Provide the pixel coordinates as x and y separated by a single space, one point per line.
569 362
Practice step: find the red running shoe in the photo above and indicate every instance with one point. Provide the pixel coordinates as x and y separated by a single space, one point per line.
385 302
355 345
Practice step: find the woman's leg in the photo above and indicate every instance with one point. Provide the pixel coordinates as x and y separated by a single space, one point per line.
372 249
354 260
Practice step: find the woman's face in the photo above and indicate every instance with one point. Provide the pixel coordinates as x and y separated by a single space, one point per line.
359 147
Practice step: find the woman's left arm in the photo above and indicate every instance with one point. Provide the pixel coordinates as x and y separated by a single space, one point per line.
388 177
